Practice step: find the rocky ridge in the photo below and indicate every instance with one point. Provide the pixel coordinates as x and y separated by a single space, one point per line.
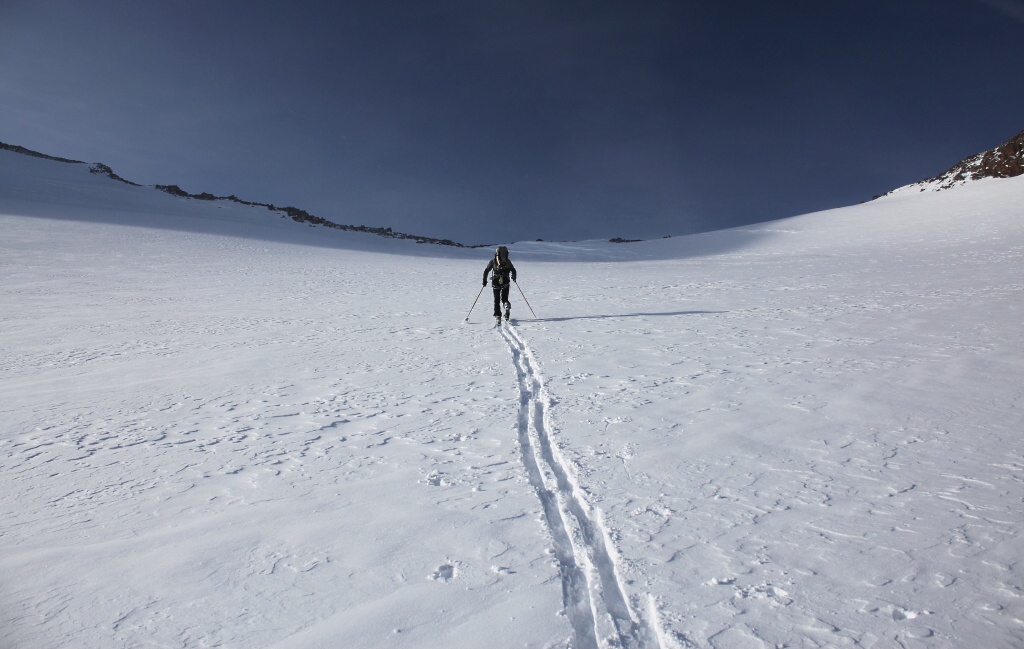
296 214
1003 161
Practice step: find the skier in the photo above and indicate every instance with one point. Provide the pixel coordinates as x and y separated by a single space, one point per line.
502 269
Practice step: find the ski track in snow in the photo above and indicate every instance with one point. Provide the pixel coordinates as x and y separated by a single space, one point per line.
595 600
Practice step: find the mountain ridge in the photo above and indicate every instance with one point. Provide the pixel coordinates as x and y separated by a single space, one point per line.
1005 160
296 214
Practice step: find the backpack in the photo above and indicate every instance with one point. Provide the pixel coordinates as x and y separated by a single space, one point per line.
501 264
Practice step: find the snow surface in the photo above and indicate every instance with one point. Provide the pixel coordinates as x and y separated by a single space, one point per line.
221 428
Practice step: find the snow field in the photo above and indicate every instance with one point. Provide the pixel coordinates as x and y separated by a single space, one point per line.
805 433
198 450
814 440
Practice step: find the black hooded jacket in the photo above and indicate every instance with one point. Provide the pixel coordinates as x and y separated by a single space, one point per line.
503 270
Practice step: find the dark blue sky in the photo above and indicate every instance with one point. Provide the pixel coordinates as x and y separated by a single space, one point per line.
489 121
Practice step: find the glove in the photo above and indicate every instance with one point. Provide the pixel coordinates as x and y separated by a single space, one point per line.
485 281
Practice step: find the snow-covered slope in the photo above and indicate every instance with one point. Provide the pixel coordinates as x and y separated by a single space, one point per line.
223 429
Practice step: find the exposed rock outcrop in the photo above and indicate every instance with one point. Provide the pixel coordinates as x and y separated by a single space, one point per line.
1003 161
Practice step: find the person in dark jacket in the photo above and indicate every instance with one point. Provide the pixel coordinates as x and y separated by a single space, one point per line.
501 270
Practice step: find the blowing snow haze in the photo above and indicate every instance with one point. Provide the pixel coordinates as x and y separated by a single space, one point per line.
509 121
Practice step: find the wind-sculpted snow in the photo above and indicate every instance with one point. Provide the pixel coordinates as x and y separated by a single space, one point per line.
206 441
809 438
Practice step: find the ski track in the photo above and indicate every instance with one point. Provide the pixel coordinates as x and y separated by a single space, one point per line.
595 600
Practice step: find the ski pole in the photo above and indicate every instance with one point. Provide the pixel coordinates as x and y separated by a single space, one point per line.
474 303
524 299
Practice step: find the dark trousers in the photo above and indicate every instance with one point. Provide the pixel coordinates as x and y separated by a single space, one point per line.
500 295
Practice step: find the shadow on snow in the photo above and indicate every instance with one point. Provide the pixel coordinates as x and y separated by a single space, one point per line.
622 315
